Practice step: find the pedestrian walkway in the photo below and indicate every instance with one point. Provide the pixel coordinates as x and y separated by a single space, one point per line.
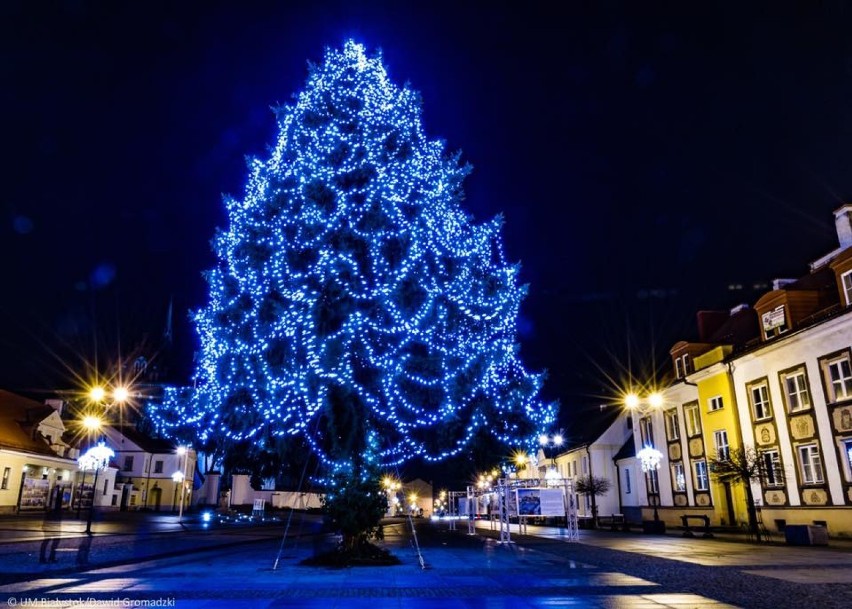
601 571
460 572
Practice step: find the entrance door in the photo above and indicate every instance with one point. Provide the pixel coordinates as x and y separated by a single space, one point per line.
156 498
729 503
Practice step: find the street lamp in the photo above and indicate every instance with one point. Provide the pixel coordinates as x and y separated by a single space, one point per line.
180 478
96 458
118 396
650 459
554 441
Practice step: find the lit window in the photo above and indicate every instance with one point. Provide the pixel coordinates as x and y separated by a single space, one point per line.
760 405
678 478
811 464
672 432
796 390
720 439
715 403
702 481
693 420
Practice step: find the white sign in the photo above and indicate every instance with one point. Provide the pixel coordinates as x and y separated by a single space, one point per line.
774 318
552 503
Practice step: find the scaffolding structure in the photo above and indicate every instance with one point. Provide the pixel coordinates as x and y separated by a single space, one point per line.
503 497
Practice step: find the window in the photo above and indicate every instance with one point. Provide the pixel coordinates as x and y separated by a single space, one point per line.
653 482
646 431
796 390
693 420
845 446
811 464
760 406
846 279
720 439
128 464
7 471
683 366
715 403
839 378
158 467
701 479
771 464
672 432
678 478
627 487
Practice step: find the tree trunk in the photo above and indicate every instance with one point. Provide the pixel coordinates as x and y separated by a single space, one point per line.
752 512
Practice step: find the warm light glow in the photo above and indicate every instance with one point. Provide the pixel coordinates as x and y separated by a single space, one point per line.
178 477
181 450
120 394
97 393
520 458
558 440
655 399
631 400
92 423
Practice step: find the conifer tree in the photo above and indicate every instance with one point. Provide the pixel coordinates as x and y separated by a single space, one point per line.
354 303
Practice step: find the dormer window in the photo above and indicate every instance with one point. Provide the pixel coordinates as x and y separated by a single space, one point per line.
846 280
683 366
774 322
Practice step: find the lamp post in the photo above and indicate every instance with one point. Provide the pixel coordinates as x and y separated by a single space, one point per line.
96 458
180 478
650 459
554 441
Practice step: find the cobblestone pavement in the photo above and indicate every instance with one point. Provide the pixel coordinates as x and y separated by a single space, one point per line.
611 571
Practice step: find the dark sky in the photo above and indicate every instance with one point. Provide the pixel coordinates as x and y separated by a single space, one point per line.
645 157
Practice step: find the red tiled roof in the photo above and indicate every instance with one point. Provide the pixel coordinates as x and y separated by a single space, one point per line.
19 418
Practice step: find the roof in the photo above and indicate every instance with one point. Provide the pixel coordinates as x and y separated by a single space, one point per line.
587 424
144 441
19 419
626 451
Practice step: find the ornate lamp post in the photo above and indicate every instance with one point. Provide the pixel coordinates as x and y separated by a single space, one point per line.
650 459
96 458
180 478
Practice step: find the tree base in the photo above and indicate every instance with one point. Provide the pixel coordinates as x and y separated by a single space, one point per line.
363 555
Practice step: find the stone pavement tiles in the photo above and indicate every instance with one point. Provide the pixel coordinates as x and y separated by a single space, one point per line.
460 572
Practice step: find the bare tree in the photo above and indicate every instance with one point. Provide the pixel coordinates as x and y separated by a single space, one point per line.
593 486
743 465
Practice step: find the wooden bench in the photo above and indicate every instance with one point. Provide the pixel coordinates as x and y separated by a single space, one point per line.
687 530
615 521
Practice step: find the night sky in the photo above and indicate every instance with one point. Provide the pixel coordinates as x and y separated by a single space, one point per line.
645 159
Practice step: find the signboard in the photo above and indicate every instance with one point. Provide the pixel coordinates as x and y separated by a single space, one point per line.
463 509
552 503
540 502
34 494
529 501
774 318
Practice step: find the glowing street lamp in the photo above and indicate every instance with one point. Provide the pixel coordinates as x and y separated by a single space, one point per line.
180 478
650 459
96 458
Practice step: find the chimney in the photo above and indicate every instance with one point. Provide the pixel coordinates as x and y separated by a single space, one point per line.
843 223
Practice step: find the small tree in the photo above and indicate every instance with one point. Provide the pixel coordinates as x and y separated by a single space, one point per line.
593 486
742 465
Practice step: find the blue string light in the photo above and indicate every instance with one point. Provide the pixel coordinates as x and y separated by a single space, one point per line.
349 266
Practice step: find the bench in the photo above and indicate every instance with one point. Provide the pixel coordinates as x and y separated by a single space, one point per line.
615 522
687 530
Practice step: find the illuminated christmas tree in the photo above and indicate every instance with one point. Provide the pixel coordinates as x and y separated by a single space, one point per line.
355 304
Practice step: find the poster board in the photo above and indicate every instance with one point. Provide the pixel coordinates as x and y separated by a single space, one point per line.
34 494
539 502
